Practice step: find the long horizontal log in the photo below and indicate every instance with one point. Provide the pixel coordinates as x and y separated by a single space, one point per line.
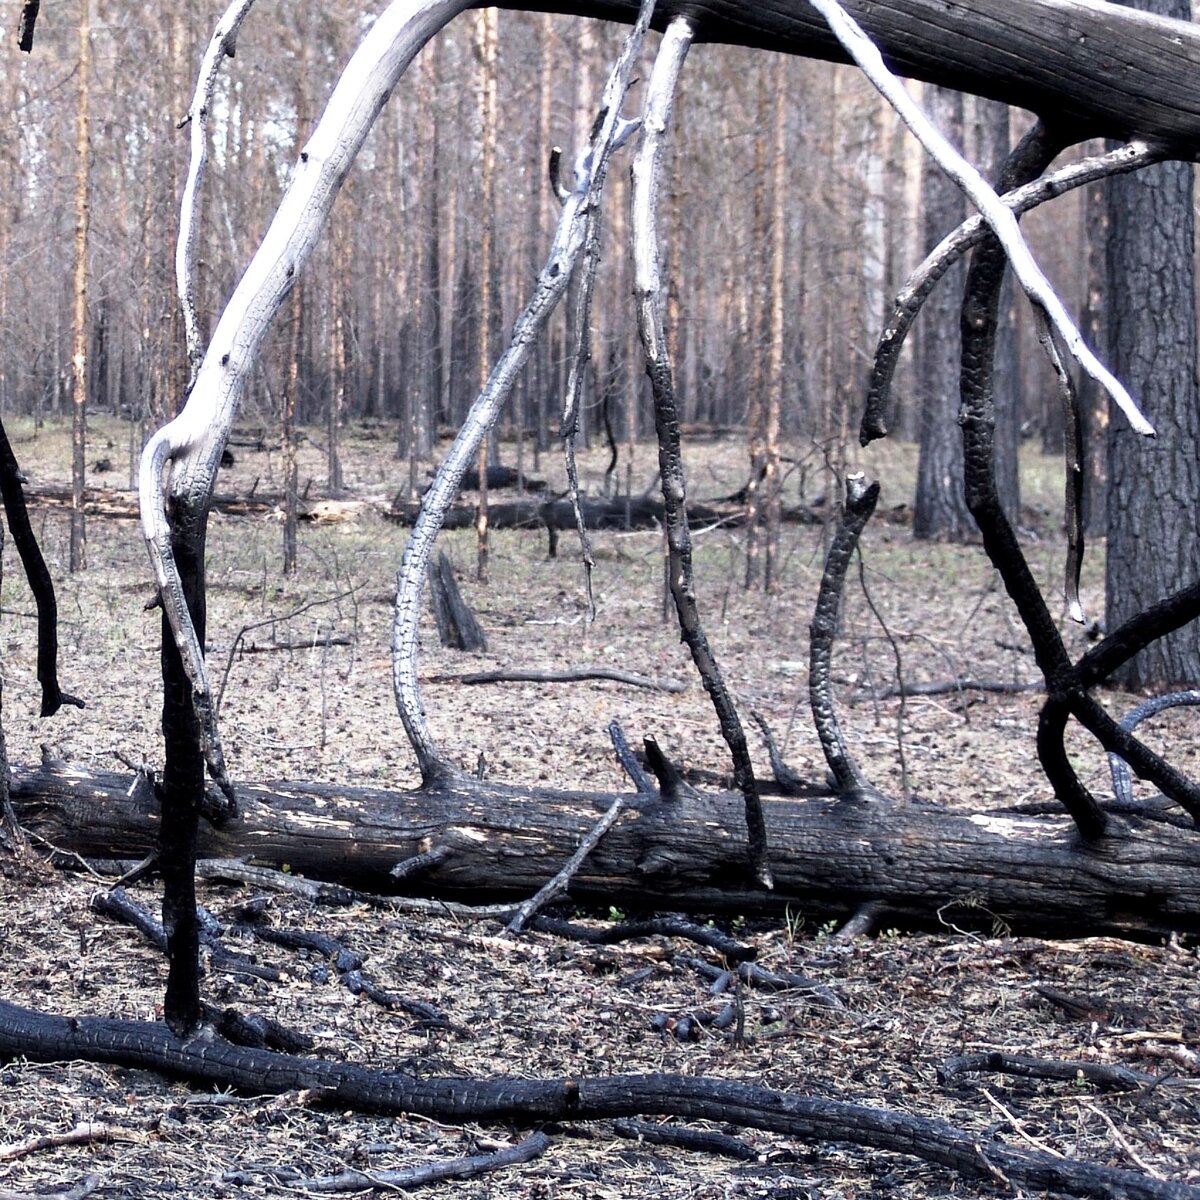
1117 71
916 861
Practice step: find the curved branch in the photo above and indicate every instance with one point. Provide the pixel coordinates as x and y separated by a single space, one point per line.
221 44
647 170
44 1037
861 499
570 238
912 296
1119 769
38 575
190 446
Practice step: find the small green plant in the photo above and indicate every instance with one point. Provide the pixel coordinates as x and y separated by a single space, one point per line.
615 914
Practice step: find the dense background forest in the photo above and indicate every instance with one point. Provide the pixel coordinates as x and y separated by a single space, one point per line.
388 325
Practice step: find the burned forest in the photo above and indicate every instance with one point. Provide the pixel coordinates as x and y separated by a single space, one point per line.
835 339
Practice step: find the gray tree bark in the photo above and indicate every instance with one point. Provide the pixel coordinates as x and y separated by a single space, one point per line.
1154 486
941 509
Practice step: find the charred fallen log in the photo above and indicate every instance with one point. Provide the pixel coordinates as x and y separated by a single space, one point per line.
829 857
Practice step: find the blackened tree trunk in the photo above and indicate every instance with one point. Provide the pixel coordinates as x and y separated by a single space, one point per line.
941 509
1154 486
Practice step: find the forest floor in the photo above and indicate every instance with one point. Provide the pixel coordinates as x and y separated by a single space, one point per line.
322 709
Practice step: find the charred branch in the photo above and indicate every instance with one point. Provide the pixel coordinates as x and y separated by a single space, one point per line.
43 1037
861 499
647 169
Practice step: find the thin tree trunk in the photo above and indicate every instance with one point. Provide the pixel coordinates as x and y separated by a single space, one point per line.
485 42
775 372
941 509
79 350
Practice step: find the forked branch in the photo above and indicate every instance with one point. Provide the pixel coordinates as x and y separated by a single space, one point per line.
189 447
647 170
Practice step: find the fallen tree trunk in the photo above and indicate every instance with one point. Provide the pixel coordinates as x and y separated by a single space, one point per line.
920 863
1115 71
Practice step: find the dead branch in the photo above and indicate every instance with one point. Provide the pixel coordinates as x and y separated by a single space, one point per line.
702 1141
564 675
42 1037
85 1187
85 1133
562 880
912 296
861 499
609 133
406 1179
1103 1075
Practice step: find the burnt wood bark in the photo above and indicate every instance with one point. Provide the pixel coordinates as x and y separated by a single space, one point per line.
42 1037
1113 73
829 857
36 572
456 623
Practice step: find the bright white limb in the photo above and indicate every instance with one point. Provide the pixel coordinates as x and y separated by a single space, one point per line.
190 446
221 43
993 210
570 238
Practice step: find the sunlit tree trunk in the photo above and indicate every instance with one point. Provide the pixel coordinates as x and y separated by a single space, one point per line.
485 34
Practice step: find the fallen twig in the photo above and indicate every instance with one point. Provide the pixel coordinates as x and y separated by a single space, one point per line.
83 1134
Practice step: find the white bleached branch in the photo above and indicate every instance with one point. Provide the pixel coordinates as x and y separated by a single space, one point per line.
993 210
190 446
570 238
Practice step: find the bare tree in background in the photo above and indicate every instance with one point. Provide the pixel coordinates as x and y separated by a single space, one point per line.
79 348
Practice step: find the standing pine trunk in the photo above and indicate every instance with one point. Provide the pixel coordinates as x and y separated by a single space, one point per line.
485 45
79 354
992 142
941 507
1154 485
775 372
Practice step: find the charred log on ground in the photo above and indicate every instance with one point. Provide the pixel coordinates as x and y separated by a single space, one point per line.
920 863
